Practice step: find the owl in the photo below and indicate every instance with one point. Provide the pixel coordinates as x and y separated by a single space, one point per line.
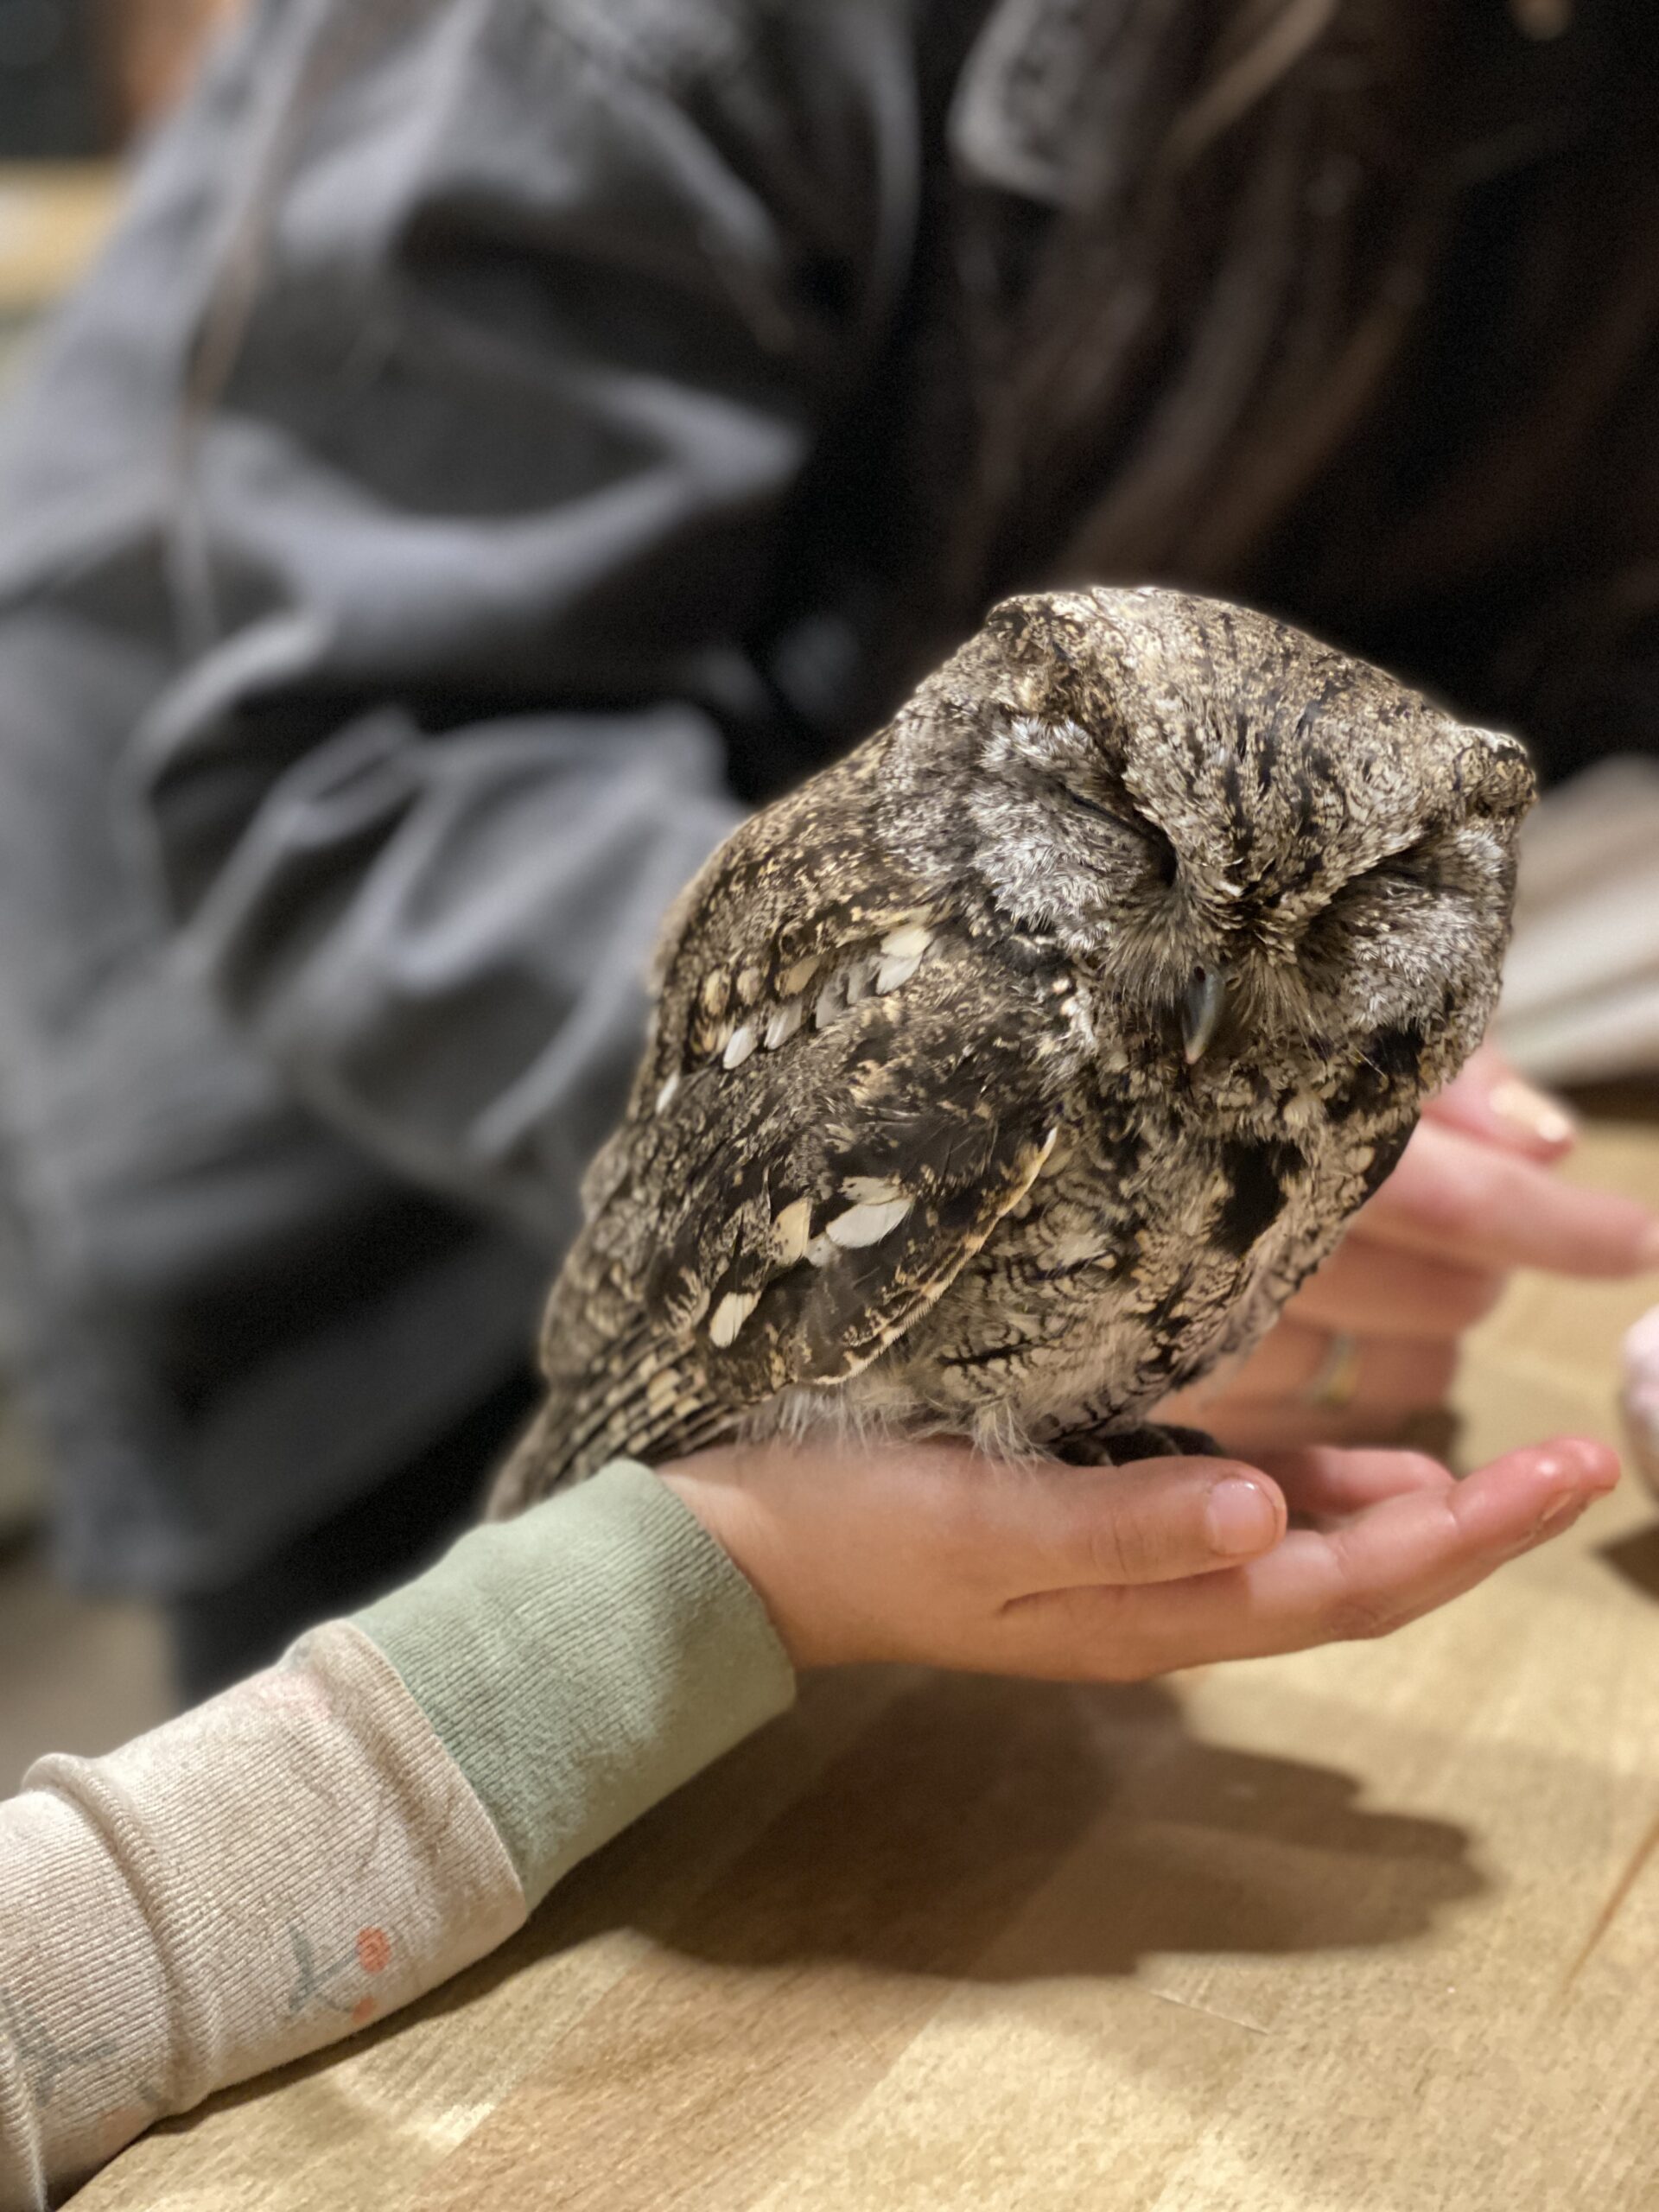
1012 1072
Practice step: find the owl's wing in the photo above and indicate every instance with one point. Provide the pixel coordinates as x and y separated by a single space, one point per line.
780 1210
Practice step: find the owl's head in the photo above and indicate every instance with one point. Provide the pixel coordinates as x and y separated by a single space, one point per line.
1278 867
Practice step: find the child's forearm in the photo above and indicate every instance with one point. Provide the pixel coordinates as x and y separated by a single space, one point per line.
324 1842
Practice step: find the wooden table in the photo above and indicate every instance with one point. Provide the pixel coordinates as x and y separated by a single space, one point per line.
54 217
1372 1930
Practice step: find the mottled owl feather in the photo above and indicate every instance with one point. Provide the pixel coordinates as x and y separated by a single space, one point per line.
821 1140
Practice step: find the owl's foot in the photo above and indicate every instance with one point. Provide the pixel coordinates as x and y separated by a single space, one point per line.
1117 1447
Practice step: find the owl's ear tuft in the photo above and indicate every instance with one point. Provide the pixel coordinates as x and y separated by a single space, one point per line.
1497 774
1045 651
1037 630
1018 627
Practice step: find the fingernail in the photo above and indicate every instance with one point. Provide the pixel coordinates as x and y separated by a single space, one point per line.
1534 1113
1240 1516
1564 1508
1639 1398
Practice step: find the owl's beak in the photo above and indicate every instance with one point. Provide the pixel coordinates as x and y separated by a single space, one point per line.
1201 1010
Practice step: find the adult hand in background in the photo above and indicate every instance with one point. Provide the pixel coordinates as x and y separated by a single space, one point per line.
928 1553
1372 1338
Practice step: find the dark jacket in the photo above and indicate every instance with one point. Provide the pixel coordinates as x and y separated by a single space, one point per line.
507 438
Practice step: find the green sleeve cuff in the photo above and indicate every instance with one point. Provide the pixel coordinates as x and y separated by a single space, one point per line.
580 1662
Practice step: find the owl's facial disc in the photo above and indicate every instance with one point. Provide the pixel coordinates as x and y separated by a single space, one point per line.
1281 869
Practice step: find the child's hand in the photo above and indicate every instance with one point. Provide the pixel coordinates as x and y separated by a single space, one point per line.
929 1553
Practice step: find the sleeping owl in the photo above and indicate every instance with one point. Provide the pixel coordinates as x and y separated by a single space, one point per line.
1011 1073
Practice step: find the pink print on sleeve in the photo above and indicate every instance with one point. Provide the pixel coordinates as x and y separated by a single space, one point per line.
313 1985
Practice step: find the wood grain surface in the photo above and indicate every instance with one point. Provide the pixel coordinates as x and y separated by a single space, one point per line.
1371 1929
54 217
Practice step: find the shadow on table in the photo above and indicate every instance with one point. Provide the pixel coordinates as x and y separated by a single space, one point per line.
991 1830
1636 1558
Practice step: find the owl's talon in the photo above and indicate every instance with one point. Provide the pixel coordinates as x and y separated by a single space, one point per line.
1121 1447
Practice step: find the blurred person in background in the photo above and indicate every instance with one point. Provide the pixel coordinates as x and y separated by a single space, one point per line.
509 438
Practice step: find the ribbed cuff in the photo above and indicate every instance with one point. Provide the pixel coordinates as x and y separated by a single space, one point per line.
580 1662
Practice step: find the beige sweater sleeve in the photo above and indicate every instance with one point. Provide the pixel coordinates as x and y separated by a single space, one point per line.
324 1842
